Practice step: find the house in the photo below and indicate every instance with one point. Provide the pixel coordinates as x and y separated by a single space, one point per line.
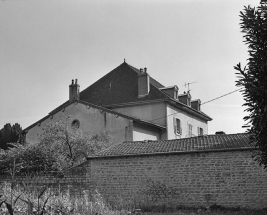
132 106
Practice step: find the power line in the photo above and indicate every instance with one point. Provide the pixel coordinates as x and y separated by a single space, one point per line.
201 104
220 96
162 117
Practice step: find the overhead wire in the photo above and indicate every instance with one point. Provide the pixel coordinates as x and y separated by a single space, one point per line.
201 104
220 97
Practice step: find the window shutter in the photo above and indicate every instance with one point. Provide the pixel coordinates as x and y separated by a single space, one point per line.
174 125
198 131
178 124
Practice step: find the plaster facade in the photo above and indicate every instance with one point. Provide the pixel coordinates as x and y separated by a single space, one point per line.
185 119
134 94
141 132
155 111
93 120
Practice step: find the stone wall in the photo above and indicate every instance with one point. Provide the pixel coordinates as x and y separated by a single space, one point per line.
230 179
75 180
226 178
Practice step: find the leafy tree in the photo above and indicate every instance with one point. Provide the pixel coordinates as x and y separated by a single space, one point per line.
31 158
59 147
70 145
253 77
10 134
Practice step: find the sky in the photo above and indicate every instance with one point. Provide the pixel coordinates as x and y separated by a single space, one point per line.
46 43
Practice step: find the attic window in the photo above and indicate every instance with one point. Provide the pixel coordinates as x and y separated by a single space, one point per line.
75 124
175 94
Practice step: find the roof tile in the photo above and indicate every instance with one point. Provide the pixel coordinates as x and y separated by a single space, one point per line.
119 86
200 143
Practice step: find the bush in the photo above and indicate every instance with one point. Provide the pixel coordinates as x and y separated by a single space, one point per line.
29 158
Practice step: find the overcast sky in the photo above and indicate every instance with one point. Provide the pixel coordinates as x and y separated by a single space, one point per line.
44 44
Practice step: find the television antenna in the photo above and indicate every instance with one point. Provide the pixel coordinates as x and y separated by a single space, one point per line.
187 84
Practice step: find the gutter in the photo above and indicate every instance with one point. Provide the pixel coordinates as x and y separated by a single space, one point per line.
188 109
134 103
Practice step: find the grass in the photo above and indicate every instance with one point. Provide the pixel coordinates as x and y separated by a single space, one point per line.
28 200
212 211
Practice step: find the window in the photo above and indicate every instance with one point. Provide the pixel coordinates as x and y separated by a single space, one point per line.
190 130
75 124
177 126
200 131
175 94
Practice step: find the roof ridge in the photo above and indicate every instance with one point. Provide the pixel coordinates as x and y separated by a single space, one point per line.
138 71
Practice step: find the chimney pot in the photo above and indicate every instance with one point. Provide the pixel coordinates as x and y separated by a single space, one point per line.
74 90
145 69
219 132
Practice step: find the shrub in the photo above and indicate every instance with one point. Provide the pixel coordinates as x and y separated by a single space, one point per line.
28 158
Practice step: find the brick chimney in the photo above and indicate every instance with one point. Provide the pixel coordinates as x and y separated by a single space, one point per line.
74 90
143 83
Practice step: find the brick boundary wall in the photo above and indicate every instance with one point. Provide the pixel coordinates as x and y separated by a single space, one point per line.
225 178
198 179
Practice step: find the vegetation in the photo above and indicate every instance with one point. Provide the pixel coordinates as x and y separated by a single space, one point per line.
60 147
30 201
70 146
253 77
10 134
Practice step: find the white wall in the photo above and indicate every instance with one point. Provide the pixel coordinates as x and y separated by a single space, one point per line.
91 120
152 111
185 118
142 132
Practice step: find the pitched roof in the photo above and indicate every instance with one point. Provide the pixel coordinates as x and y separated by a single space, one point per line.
100 108
193 144
120 86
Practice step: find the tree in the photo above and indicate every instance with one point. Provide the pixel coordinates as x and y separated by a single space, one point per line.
253 77
60 147
10 134
70 145
30 158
